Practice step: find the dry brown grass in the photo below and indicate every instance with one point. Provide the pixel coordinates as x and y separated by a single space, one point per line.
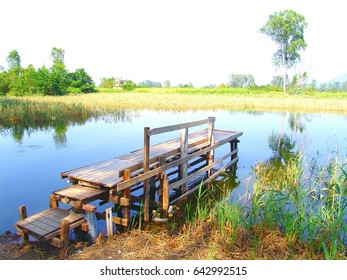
197 242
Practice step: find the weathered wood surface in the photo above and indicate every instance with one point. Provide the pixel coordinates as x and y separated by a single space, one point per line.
106 173
81 193
47 224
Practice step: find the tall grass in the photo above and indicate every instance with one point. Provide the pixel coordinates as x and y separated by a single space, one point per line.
306 204
32 113
36 109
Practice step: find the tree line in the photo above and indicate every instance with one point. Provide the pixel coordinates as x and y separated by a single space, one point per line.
56 80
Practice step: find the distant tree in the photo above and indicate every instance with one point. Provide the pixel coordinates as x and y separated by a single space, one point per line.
4 83
167 84
299 82
57 55
286 29
107 82
209 86
190 85
26 84
128 85
55 80
241 80
150 84
344 86
278 80
334 87
13 60
323 87
223 86
14 70
43 81
313 85
58 78
80 81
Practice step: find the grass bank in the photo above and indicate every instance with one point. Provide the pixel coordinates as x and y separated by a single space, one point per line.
50 110
213 99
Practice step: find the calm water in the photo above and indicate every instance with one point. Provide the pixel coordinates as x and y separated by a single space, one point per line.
31 162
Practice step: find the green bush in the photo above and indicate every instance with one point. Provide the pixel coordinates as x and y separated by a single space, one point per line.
128 85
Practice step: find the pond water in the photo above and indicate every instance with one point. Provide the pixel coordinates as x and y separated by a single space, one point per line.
31 160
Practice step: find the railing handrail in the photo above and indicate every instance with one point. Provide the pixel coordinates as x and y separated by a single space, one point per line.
174 127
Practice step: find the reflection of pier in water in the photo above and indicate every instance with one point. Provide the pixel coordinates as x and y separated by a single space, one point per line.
154 177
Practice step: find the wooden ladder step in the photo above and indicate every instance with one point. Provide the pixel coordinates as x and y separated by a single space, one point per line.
47 224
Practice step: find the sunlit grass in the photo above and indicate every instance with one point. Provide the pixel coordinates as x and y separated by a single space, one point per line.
44 109
303 206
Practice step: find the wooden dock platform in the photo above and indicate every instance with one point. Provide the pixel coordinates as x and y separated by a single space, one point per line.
179 165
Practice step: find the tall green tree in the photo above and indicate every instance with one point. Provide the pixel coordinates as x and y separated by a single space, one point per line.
13 60
58 78
107 82
286 29
57 55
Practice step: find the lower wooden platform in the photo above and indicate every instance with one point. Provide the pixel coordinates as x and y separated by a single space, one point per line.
50 224
46 224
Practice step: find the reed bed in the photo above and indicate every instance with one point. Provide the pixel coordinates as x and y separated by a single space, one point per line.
28 111
306 206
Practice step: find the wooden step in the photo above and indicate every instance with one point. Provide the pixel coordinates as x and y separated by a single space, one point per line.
81 194
46 224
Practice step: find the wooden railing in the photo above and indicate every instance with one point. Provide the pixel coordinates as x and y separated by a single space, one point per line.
183 168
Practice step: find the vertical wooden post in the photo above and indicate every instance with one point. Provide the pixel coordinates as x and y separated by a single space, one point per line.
162 162
146 185
233 147
165 196
23 215
152 187
53 202
64 235
126 194
183 169
210 155
109 222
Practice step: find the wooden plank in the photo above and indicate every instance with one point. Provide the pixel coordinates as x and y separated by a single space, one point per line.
126 193
72 225
169 128
81 193
146 186
116 220
211 140
46 223
183 167
165 196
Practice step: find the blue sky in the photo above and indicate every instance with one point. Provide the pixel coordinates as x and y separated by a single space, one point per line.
201 42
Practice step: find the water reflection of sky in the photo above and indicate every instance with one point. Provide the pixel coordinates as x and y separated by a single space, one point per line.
31 163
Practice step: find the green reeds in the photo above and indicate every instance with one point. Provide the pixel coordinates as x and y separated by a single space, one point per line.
306 204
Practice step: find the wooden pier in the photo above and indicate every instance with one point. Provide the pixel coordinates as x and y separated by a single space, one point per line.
153 177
